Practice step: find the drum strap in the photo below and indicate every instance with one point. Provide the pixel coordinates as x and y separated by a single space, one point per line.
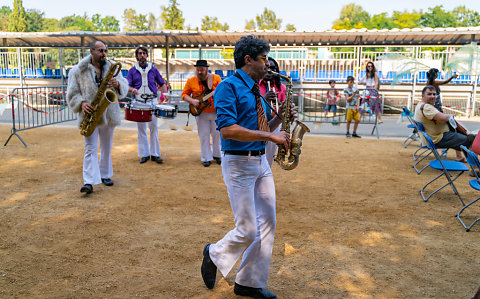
144 73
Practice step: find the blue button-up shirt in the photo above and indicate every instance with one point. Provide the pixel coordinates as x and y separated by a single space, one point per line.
235 103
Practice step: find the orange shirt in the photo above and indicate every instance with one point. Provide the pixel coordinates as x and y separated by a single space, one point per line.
194 88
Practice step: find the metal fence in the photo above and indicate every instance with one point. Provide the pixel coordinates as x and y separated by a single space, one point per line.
34 107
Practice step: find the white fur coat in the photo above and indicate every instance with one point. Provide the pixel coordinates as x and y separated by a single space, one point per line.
82 88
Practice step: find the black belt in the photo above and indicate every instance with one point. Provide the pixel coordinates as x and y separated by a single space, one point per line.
246 153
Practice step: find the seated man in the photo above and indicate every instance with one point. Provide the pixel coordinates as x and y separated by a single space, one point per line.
436 123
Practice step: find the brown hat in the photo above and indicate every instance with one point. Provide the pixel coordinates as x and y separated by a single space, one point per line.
201 62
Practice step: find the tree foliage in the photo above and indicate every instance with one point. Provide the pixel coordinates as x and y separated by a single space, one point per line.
466 17
290 27
406 19
152 22
107 23
18 18
172 16
76 23
352 16
134 22
34 20
250 25
268 20
437 17
212 23
5 12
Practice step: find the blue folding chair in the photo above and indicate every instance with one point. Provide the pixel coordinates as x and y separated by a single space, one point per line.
414 135
423 151
473 161
445 167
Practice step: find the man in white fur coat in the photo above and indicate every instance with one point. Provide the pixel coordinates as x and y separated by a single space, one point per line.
83 82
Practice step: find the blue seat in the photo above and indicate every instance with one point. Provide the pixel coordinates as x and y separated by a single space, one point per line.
414 135
309 75
422 77
445 167
295 76
361 75
58 74
230 73
423 151
124 73
322 75
473 161
389 77
2 73
335 75
29 73
407 78
49 74
220 73
347 73
8 73
39 73
283 73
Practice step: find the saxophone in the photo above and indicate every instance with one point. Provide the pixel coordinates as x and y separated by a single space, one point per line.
288 158
104 97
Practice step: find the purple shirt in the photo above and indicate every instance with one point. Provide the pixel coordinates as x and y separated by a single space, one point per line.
134 79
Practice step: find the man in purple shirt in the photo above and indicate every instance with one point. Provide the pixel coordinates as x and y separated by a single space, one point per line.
143 79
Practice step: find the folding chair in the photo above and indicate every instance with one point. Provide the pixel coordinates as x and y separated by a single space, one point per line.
445 167
425 152
414 135
473 161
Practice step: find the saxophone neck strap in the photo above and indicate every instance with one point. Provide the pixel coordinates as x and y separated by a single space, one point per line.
263 99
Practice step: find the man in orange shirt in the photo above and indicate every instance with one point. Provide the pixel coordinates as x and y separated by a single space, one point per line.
198 87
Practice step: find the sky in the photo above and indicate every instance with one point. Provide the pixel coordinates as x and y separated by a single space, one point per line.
306 15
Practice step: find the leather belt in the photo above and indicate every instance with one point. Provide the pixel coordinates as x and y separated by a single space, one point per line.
245 153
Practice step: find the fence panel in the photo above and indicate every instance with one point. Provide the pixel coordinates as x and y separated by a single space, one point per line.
34 107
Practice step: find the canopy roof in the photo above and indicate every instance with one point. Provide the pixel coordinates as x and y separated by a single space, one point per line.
183 38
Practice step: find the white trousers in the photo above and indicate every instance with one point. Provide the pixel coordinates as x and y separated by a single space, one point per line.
144 149
207 127
93 171
251 190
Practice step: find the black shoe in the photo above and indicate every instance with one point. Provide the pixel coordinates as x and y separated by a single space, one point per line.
144 159
209 270
356 136
206 164
348 135
218 160
253 292
87 188
107 182
157 159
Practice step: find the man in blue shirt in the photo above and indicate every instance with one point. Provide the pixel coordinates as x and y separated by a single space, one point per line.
244 131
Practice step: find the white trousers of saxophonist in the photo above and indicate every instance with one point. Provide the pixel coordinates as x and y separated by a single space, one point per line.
144 148
251 190
207 127
93 171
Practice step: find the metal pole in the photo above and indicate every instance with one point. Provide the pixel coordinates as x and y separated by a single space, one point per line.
62 64
474 96
414 85
166 61
20 66
199 51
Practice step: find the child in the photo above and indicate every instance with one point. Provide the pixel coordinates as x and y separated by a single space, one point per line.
332 99
352 106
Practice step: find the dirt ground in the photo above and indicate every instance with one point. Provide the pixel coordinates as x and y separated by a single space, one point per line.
351 223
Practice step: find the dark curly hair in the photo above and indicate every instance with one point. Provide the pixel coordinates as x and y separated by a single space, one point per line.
431 76
144 49
251 46
274 67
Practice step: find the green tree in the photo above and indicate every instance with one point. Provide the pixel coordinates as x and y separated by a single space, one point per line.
5 12
466 17
351 16
212 23
107 23
290 27
250 25
268 20
152 22
406 19
134 22
35 20
380 21
50 25
172 16
18 18
437 17
76 23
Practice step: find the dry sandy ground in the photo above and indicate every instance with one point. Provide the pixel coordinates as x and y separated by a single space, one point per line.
351 223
